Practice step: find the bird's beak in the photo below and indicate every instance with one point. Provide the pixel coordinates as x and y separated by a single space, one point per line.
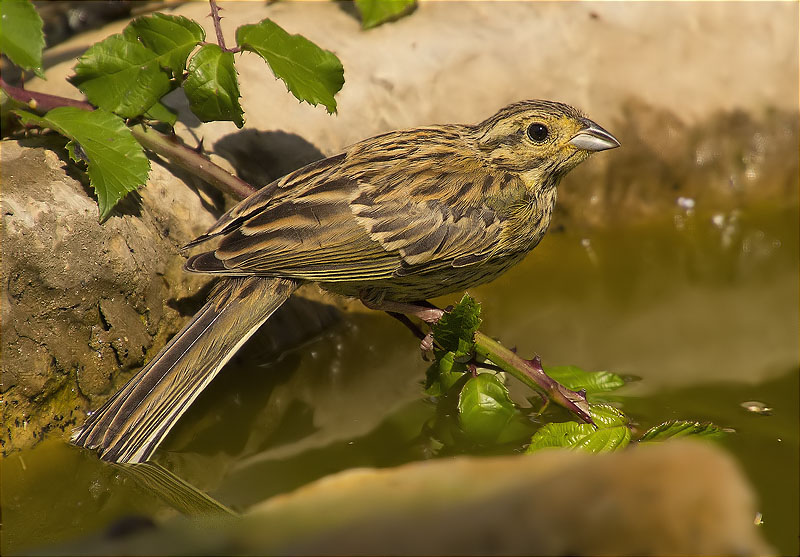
593 138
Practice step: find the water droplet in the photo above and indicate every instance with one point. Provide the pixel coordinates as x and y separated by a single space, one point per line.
587 245
686 203
756 407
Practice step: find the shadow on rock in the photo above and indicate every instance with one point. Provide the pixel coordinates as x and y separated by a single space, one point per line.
260 157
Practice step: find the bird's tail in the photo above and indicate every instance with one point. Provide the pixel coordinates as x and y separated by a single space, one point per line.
129 427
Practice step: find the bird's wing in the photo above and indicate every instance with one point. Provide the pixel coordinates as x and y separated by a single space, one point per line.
370 213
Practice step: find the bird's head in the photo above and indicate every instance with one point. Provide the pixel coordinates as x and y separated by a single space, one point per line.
541 140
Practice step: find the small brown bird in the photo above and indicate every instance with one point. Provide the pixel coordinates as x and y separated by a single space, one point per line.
394 220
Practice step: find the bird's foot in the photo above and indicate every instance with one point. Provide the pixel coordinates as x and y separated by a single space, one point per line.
421 310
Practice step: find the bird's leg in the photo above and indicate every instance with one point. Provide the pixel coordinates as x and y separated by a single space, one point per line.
416 331
423 310
426 340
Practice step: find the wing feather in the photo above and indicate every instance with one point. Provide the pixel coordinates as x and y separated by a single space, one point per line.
397 204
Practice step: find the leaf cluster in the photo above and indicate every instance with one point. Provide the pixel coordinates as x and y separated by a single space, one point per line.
488 416
127 75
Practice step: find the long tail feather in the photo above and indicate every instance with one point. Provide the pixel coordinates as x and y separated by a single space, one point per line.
129 427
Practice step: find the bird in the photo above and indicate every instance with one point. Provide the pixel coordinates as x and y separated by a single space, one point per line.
393 220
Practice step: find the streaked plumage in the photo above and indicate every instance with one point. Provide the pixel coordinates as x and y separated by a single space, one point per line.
402 217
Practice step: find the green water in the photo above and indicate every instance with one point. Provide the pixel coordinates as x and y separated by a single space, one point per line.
703 308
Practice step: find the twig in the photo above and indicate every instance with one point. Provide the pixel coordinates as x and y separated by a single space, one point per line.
171 148
216 18
531 373
41 101
190 160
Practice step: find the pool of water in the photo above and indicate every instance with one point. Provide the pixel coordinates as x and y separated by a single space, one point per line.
701 307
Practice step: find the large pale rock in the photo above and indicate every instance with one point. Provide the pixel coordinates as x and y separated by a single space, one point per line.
680 498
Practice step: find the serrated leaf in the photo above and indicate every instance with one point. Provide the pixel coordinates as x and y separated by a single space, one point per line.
116 162
312 74
605 415
486 412
443 374
455 331
121 76
212 87
605 440
171 37
21 35
559 435
376 12
572 435
678 428
576 379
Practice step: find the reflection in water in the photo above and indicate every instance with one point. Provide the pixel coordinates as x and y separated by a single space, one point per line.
176 492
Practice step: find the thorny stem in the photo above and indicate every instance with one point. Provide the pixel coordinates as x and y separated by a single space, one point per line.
530 372
216 18
171 148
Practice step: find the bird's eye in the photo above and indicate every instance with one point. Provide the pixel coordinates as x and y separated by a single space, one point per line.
537 132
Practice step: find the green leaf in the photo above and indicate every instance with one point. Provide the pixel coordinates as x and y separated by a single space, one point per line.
576 379
9 122
559 435
121 76
21 36
677 428
171 37
375 12
486 413
116 162
161 113
605 415
455 331
312 74
443 374
605 440
572 435
212 87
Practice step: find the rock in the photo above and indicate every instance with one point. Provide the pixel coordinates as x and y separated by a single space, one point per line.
551 503
84 303
554 502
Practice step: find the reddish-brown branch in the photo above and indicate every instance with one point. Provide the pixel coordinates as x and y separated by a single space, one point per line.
41 101
169 147
215 17
173 149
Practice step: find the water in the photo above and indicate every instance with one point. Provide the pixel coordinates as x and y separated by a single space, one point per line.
702 307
